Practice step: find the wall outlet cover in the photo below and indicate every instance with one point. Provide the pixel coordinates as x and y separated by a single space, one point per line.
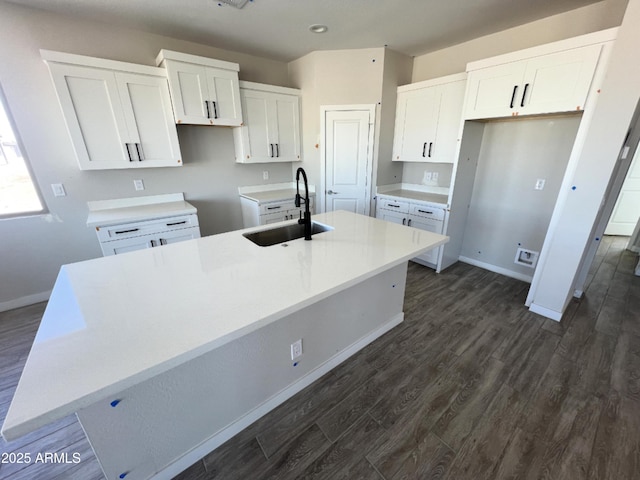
296 349
138 184
525 257
58 190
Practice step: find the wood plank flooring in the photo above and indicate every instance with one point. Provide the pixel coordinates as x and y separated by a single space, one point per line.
471 386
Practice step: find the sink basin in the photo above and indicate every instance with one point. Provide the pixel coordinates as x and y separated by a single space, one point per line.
273 236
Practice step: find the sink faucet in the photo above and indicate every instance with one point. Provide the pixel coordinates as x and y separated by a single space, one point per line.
307 214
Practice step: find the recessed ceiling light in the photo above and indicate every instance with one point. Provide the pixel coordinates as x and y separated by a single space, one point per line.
317 28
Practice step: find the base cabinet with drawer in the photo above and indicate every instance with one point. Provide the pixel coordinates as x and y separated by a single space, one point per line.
256 213
128 237
417 215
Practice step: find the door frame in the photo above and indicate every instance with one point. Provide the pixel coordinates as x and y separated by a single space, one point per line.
371 109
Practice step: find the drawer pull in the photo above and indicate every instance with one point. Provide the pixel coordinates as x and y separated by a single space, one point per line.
126 231
176 223
425 211
274 208
394 206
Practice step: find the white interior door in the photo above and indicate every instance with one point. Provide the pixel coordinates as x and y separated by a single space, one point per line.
348 159
627 209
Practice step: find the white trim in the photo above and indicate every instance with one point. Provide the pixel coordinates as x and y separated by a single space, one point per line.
25 301
188 58
263 87
106 64
602 36
95 205
456 77
496 269
371 108
222 436
546 312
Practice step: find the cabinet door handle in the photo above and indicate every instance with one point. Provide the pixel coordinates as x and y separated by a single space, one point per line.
513 95
128 152
176 223
206 104
163 241
271 150
409 222
430 145
153 243
215 110
140 152
524 93
119 232
404 221
424 148
277 150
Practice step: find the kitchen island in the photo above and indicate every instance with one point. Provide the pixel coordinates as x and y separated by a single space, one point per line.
166 353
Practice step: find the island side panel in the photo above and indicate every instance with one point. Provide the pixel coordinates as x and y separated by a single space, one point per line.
164 424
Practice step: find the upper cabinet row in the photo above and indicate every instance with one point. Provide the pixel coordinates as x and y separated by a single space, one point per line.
122 115
554 79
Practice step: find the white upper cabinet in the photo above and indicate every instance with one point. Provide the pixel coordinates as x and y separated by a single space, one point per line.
118 115
204 91
555 82
271 131
428 116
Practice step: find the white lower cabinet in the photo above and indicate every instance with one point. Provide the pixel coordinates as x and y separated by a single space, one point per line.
128 237
256 213
417 215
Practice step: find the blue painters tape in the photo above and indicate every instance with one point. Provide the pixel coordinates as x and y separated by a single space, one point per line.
113 404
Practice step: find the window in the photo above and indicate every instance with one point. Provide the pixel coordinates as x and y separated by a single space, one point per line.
18 193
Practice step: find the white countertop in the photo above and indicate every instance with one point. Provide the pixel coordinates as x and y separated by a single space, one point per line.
116 321
273 193
432 198
105 213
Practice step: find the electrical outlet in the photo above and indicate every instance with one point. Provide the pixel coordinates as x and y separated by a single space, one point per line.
434 176
296 349
58 190
265 175
138 184
540 183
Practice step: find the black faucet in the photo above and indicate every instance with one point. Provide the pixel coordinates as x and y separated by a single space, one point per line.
307 214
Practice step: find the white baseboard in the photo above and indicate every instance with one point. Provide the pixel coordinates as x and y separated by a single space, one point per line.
546 312
236 427
25 301
496 269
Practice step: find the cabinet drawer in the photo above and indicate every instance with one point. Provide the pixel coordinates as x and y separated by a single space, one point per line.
282 206
396 206
426 211
136 229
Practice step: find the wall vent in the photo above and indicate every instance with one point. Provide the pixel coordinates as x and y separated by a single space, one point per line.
525 257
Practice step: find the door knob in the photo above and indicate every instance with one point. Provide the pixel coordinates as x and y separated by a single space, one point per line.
331 192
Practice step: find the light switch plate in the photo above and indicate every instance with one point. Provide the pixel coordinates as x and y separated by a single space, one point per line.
540 183
138 184
58 190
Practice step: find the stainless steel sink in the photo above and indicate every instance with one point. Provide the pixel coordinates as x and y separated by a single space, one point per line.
286 233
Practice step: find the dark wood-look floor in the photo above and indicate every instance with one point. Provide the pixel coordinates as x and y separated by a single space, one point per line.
471 386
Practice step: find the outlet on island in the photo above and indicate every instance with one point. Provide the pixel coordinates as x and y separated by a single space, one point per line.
296 349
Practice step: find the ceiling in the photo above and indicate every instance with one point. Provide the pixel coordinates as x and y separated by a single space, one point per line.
279 29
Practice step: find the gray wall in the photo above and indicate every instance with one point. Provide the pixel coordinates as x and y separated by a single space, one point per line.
33 248
506 212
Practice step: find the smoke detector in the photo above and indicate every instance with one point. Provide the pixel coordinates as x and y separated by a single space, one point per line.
233 3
